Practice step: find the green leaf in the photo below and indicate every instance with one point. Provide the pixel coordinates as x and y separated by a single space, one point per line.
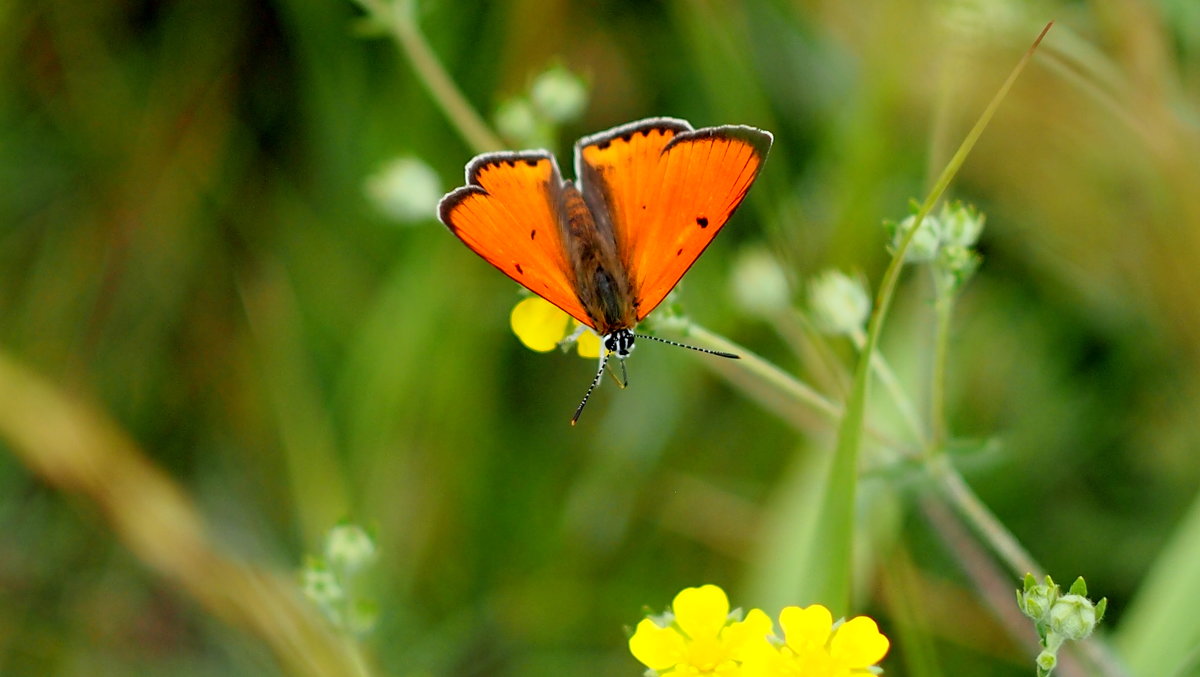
1158 631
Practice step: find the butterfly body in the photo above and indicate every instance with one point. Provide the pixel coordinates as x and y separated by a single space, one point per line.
608 247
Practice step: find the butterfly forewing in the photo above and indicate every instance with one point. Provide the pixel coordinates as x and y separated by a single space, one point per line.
668 190
508 214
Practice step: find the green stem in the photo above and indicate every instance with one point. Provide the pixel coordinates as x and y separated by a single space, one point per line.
400 19
888 377
765 370
990 529
943 309
835 530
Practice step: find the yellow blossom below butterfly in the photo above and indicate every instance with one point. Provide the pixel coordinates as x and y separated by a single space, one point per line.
702 638
543 327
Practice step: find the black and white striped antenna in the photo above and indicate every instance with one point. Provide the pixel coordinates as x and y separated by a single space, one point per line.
684 345
595 382
624 380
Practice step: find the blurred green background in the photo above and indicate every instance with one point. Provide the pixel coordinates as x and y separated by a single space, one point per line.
187 244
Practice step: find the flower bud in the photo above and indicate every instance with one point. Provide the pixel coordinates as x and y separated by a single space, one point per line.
405 189
961 224
1046 661
559 95
517 122
758 283
348 547
321 585
1073 617
953 266
924 245
1037 600
839 304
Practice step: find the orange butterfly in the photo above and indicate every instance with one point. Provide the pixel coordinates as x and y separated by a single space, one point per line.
648 198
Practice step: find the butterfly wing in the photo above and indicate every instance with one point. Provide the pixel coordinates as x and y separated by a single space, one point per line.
508 214
665 191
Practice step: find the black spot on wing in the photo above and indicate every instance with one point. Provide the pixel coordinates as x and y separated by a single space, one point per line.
532 163
519 270
532 234
702 221
679 253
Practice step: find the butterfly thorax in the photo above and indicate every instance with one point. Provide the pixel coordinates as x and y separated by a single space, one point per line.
601 281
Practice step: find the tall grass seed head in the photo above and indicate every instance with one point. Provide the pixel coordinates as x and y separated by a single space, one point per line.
838 303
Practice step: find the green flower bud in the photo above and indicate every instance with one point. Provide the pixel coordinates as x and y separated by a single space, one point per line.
758 283
405 189
1046 661
1073 617
559 95
839 304
348 547
1037 600
953 266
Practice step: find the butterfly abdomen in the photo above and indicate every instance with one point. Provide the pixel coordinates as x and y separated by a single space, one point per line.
601 281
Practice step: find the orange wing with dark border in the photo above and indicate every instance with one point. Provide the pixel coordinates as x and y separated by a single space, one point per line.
665 190
508 214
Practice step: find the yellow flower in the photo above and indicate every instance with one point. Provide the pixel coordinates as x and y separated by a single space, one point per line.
814 647
702 639
541 326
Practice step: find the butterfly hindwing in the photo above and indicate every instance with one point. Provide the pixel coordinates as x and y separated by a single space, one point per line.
508 214
665 191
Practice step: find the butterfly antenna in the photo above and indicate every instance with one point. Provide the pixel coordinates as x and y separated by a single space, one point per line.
684 345
595 382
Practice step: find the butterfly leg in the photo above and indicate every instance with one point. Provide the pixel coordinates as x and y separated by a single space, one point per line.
622 382
574 336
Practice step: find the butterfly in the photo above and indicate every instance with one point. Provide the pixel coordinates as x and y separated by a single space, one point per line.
648 198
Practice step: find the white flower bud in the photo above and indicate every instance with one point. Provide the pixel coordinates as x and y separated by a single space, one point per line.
839 304
961 224
405 189
758 283
348 547
924 245
559 95
517 122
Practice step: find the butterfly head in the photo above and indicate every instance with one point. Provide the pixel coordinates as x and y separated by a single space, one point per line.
619 342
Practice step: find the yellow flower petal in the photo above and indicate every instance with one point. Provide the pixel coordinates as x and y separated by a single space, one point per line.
858 643
748 637
807 628
539 324
657 648
701 612
588 345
